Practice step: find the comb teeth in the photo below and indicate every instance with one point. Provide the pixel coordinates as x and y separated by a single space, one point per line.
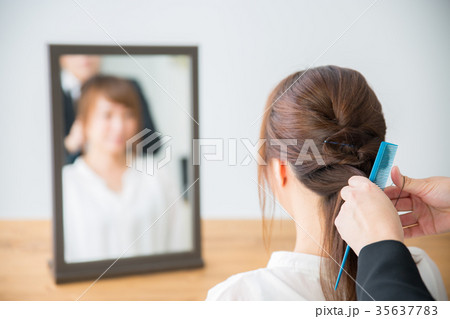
383 164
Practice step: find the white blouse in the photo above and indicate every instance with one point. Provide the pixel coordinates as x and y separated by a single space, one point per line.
101 224
295 276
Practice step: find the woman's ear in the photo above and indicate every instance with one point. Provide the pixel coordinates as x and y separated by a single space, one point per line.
279 172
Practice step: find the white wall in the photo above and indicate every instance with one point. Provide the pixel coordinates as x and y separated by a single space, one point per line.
402 47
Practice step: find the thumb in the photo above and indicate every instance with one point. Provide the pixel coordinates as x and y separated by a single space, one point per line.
413 186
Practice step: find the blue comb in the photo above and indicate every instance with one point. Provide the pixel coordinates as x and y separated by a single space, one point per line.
379 175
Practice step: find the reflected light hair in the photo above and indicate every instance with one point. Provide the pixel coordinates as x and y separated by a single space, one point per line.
114 89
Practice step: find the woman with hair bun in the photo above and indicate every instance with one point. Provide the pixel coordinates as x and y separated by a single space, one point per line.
336 110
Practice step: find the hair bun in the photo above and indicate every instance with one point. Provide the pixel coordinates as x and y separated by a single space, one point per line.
346 135
346 146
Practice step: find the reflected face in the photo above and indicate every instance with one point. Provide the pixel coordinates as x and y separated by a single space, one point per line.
110 125
81 65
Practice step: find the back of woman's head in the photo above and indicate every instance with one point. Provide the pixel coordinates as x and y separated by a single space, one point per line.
335 109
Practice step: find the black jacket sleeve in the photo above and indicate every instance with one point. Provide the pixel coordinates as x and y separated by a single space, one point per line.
387 272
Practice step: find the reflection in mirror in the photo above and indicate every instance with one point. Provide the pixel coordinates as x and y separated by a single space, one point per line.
114 111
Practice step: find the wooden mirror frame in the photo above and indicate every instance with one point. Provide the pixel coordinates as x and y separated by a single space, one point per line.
68 272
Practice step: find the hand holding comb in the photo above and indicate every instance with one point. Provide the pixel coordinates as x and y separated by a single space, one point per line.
379 175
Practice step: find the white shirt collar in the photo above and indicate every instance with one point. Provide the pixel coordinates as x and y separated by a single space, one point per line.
298 261
85 169
70 84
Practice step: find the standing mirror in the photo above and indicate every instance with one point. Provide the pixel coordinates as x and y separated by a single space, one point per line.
126 192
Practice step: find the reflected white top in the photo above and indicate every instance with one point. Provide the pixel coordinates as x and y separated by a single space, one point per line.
101 224
295 276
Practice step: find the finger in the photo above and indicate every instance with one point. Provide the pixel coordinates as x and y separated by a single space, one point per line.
411 185
357 181
403 204
342 215
344 208
337 221
345 193
412 232
396 176
408 219
394 191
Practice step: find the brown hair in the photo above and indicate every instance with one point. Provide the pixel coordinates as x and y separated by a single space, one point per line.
114 89
337 105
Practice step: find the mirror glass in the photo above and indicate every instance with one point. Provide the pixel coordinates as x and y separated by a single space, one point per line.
126 135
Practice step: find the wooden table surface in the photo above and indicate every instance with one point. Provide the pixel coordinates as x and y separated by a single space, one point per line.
229 247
